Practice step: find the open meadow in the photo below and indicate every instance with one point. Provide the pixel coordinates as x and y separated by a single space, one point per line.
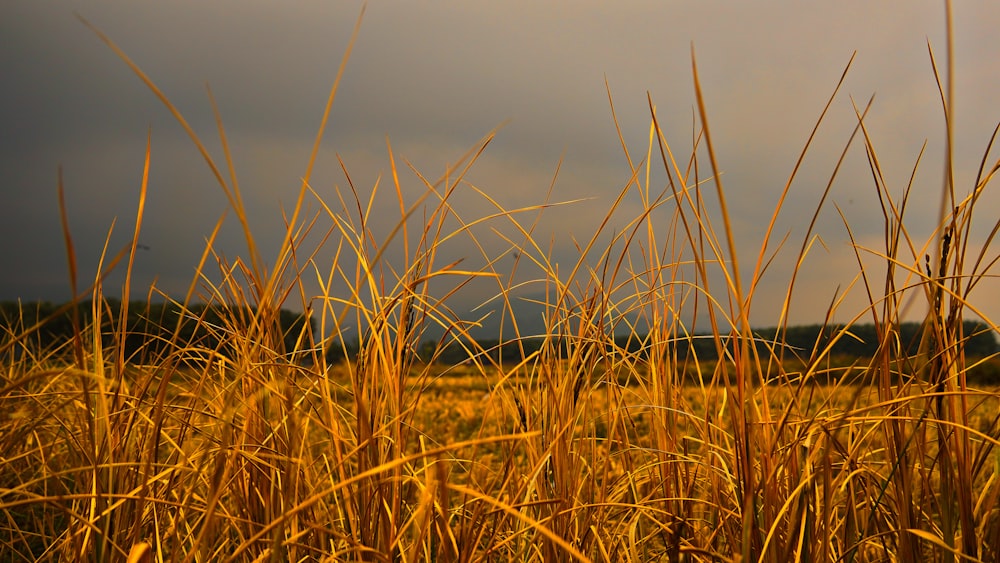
256 445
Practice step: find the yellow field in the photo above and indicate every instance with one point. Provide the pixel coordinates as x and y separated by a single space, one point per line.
259 447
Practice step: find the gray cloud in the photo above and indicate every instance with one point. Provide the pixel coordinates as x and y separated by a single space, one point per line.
436 78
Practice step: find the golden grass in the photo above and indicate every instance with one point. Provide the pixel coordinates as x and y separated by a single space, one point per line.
580 451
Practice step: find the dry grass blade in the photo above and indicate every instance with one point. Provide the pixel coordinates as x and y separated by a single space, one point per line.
371 424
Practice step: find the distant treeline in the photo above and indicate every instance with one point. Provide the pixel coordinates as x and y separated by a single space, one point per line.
860 341
151 329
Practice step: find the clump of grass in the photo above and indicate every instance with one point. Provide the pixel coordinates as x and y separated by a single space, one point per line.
253 450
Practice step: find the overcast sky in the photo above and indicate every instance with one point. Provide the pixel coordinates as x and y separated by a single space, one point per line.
436 77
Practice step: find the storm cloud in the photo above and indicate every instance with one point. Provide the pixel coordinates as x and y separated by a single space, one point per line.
434 78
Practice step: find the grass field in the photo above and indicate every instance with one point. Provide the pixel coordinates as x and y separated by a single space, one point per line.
579 451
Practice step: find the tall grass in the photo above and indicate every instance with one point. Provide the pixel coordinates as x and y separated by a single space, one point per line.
585 450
